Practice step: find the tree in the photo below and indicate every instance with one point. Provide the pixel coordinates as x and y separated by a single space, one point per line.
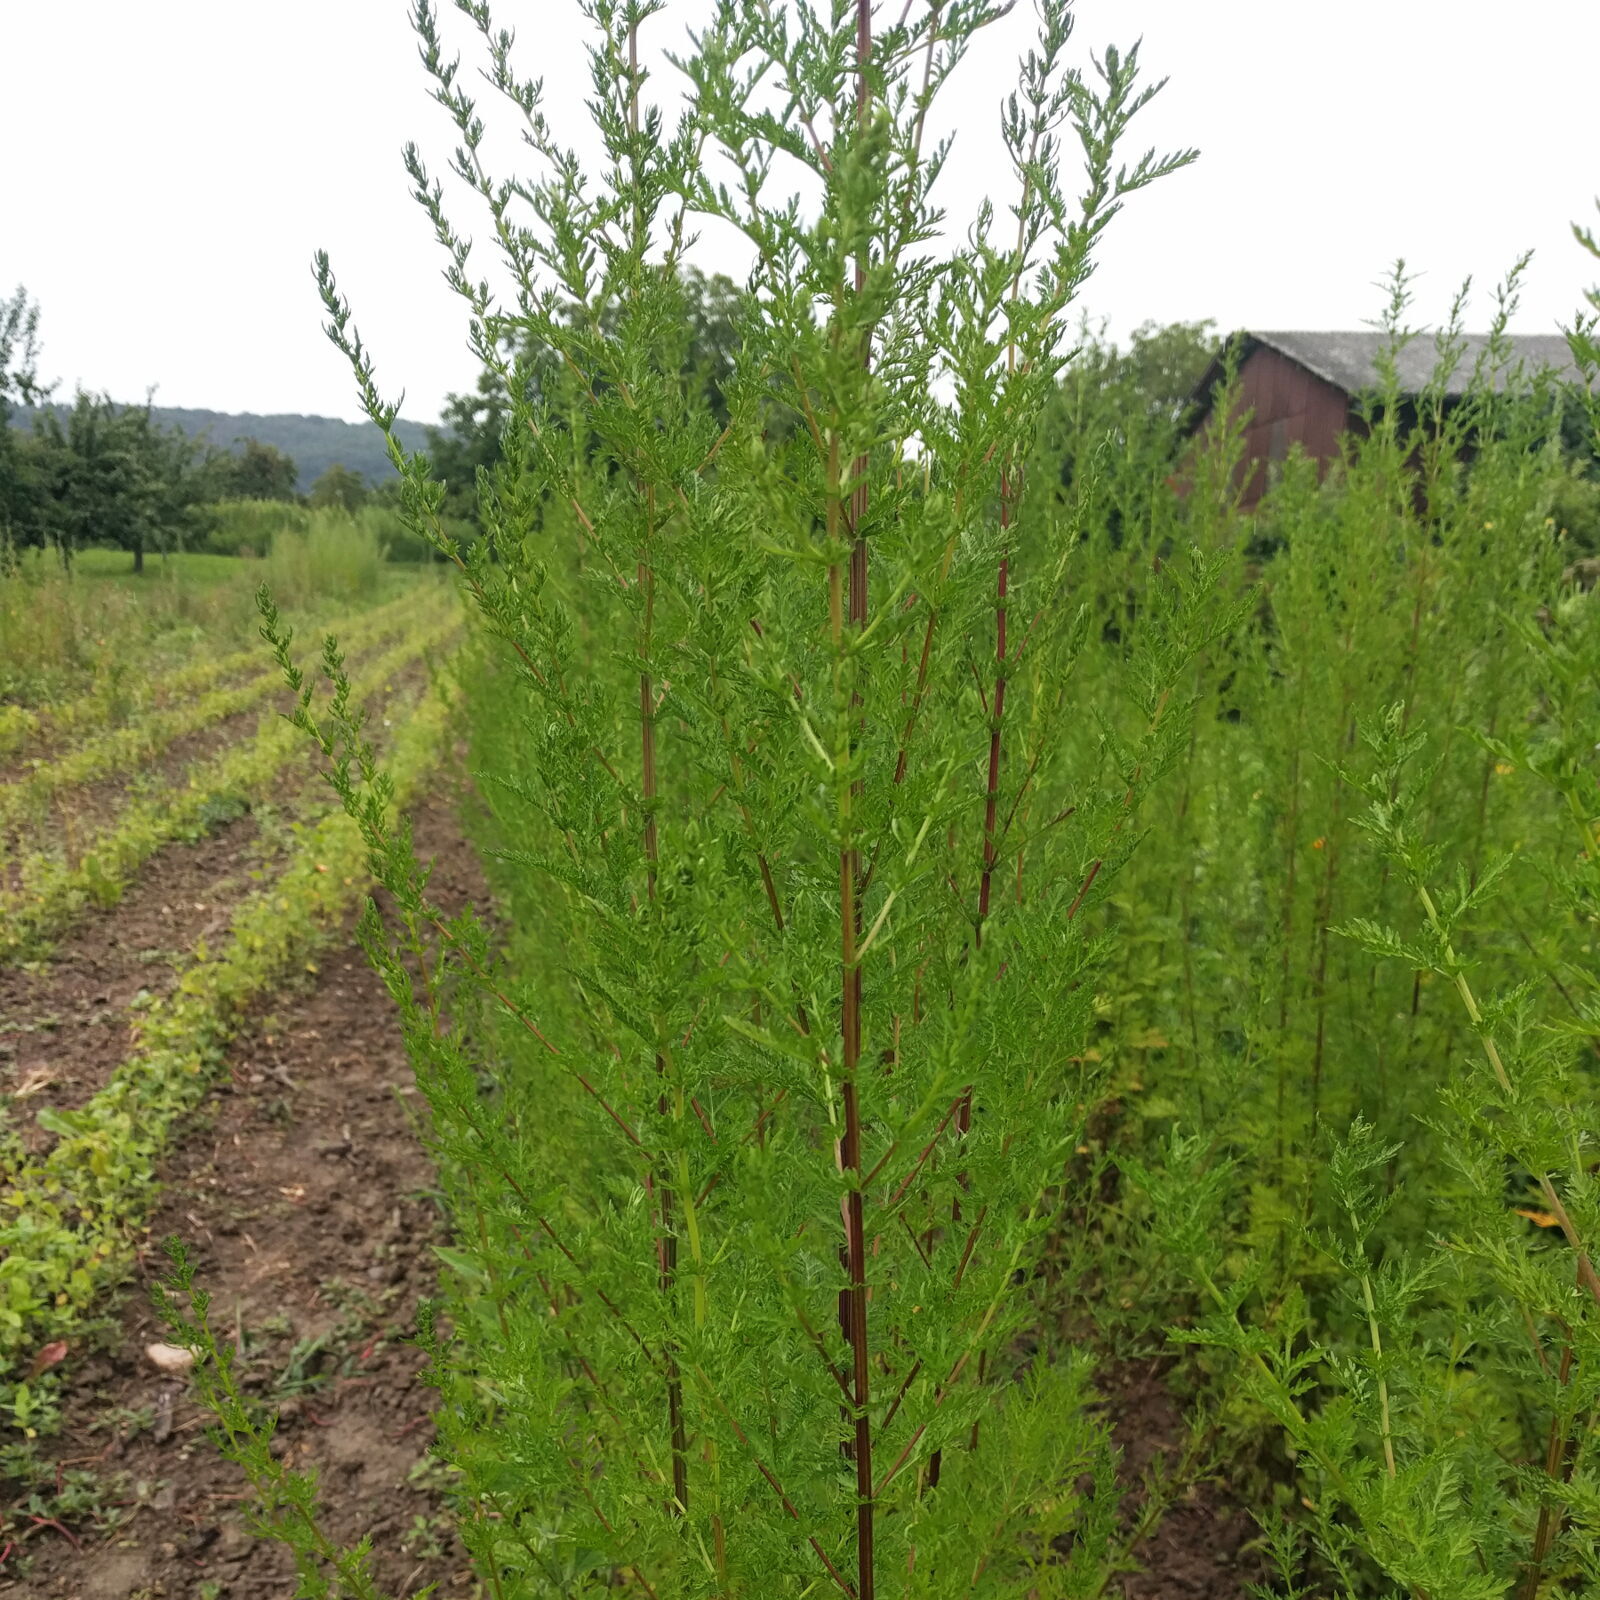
19 385
104 474
257 472
340 486
19 353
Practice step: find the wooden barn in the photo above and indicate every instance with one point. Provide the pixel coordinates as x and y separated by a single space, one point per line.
1301 388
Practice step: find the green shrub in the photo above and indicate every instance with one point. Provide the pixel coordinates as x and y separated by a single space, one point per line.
248 527
1351 1023
752 1144
330 556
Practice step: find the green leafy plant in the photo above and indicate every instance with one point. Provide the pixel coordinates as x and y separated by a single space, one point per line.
1356 1172
800 832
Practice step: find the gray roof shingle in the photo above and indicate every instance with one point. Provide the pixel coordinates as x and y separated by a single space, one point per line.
1349 360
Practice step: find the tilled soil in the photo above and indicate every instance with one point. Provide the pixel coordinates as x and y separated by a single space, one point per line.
305 1200
1202 1548
67 1022
76 816
51 744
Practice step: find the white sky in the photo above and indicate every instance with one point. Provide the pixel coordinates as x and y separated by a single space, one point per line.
171 166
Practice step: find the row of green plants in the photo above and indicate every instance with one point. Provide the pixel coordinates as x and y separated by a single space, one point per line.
128 747
1355 1174
52 887
128 688
976 905
72 1215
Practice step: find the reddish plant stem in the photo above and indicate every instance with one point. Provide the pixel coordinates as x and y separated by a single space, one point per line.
666 1235
905 1389
927 1150
1558 1465
853 1301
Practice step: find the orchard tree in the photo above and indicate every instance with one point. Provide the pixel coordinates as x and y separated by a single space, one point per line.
109 475
256 472
19 385
19 353
340 486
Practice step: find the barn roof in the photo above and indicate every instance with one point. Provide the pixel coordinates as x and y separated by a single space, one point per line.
1349 361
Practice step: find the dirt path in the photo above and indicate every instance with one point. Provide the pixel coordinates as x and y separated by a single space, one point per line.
1203 1547
305 1197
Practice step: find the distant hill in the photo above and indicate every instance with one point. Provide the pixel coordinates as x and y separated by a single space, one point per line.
314 443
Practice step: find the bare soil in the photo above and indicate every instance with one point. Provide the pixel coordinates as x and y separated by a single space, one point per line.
305 1197
1201 1549
76 816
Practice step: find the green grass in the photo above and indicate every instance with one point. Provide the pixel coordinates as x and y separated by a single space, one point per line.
100 627
190 567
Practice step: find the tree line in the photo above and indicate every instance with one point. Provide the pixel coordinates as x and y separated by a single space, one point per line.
112 474
99 472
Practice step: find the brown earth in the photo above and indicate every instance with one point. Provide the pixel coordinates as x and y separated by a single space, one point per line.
51 743
67 1022
23 767
1201 1547
305 1199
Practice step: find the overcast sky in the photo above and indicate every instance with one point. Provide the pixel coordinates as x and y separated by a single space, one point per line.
171 166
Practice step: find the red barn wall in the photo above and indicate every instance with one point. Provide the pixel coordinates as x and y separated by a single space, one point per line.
1288 405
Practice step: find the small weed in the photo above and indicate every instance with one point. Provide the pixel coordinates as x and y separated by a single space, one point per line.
425 1538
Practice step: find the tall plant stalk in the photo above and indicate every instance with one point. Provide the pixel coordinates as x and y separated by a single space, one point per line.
728 724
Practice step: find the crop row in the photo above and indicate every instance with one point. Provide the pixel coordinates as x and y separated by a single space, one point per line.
96 707
121 749
71 1217
52 890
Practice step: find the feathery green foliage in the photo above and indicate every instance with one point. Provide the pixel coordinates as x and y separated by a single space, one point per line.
831 1019
1357 1170
785 1056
